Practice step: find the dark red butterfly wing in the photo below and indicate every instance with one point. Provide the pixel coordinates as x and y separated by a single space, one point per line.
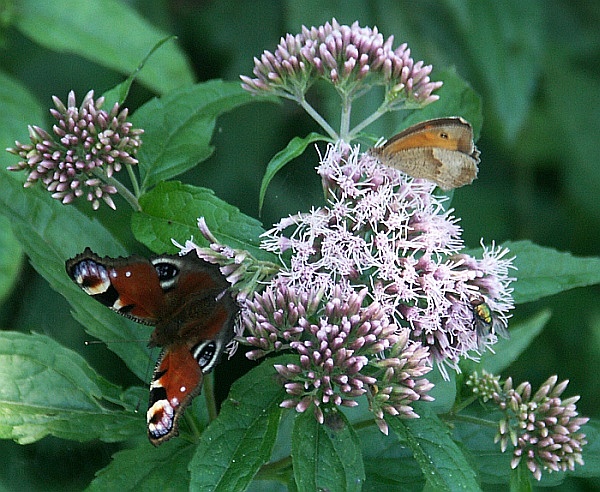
188 302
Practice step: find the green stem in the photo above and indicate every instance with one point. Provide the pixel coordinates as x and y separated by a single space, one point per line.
469 419
381 110
345 120
209 394
193 426
464 404
121 189
318 118
133 178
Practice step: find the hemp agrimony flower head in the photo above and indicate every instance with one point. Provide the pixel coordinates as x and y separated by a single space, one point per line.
389 233
542 427
346 349
346 345
89 146
353 59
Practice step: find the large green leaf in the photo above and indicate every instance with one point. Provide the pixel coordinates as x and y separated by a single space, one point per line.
171 211
389 463
11 258
49 389
240 440
109 33
178 127
506 51
146 468
508 350
544 271
326 456
19 108
443 464
50 233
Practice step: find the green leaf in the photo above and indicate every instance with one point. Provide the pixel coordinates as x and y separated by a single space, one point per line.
294 148
19 109
328 456
51 233
507 52
520 479
444 391
457 98
544 271
11 258
172 209
389 464
49 389
442 462
492 465
178 127
506 351
109 33
240 440
147 468
521 336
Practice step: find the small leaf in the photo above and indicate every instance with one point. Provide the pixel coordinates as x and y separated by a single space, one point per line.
147 468
49 389
240 440
443 464
88 30
294 148
328 456
178 127
172 209
544 271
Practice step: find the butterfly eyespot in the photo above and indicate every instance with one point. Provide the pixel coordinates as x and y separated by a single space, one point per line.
188 302
166 271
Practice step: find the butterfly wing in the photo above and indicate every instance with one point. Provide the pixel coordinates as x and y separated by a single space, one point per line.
188 302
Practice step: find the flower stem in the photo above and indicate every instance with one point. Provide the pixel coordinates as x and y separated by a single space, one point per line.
121 189
381 110
469 419
209 394
318 118
345 120
464 404
193 425
133 178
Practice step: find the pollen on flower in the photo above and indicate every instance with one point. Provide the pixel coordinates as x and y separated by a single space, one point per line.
88 146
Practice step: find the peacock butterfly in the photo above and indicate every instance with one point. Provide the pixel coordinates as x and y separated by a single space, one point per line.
187 300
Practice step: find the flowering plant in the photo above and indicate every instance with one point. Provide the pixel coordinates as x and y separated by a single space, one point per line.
367 312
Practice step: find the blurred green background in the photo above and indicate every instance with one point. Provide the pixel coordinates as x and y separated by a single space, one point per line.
536 65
